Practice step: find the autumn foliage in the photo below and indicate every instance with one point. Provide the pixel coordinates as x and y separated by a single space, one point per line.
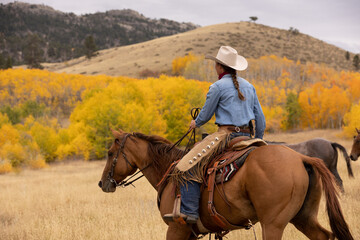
47 116
295 95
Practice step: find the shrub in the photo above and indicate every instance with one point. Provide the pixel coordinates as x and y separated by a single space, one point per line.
5 166
14 153
4 119
47 139
8 134
38 162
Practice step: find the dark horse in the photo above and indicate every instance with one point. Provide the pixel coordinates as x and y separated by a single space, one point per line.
275 186
355 150
327 151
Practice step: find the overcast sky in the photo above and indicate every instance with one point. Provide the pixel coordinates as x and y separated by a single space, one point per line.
333 21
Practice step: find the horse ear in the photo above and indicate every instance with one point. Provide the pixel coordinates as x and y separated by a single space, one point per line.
121 131
357 131
114 132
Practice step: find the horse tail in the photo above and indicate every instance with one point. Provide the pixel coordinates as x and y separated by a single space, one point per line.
337 221
346 156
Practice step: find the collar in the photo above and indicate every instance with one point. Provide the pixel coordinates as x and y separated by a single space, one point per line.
223 74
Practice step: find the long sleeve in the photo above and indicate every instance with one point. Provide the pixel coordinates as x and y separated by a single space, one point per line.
260 123
208 110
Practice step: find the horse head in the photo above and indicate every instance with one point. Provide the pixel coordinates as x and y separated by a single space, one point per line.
120 162
355 150
151 154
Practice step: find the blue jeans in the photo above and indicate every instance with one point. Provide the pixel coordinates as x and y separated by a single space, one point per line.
190 192
190 198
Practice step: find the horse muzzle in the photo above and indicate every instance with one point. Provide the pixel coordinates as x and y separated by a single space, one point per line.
107 186
354 157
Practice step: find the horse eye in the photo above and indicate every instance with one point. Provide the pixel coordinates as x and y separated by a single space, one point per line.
110 154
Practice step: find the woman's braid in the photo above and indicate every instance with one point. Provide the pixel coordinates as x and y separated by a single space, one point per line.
235 81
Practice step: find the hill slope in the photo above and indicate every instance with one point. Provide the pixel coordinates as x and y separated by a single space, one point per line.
62 35
250 39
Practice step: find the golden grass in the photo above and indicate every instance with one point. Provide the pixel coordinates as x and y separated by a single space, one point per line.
250 39
64 202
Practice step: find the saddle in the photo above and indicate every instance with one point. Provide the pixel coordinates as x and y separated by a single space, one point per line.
219 170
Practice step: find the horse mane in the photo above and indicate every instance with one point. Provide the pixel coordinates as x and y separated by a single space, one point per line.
153 139
161 151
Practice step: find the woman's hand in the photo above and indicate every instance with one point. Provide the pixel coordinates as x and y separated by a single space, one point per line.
192 124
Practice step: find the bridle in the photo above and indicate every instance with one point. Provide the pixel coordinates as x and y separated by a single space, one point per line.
111 172
194 113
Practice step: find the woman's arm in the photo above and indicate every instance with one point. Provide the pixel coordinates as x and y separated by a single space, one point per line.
260 123
208 110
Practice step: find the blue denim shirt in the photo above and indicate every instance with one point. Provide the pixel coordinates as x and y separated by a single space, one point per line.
222 99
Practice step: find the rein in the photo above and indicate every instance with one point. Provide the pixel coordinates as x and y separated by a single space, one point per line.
194 113
111 172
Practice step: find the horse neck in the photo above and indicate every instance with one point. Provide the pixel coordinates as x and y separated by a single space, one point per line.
153 166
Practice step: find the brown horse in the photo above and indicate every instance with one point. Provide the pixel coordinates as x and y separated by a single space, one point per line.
275 186
355 150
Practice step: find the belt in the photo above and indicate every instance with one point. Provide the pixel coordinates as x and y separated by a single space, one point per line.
231 128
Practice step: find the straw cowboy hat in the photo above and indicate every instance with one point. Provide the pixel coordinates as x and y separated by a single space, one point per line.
228 56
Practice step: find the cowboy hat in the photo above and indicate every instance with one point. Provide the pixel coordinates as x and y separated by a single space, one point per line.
228 56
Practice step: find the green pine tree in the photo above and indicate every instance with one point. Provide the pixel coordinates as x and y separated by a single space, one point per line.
90 47
347 55
293 111
2 62
9 63
356 62
33 54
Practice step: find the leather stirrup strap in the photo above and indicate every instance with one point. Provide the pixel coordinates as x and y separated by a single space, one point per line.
166 175
218 219
176 210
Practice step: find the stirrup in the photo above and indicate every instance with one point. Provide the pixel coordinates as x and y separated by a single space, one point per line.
177 216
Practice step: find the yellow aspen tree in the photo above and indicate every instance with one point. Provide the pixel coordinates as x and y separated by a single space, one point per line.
352 120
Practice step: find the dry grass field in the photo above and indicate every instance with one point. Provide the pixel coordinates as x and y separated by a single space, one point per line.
64 202
250 39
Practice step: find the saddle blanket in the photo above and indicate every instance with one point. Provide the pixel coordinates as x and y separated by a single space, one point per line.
227 172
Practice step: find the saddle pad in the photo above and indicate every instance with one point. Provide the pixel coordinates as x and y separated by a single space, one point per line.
226 173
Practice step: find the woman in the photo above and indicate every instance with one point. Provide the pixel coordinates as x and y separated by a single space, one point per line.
236 106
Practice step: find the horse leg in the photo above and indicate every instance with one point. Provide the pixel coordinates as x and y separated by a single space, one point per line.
306 219
313 230
333 168
272 231
280 209
177 231
338 179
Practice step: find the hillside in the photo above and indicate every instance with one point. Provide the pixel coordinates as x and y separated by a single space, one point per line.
61 35
250 39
